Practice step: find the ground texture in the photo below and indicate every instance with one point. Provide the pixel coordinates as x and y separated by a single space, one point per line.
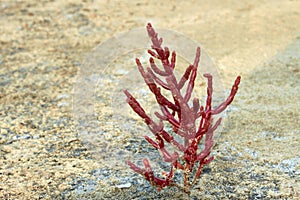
44 43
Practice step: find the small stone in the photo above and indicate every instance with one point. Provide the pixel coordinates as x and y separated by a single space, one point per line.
3 131
6 149
125 185
63 187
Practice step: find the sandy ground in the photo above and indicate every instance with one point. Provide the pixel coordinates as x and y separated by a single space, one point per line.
43 44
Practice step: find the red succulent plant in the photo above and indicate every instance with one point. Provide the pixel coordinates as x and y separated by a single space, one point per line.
190 121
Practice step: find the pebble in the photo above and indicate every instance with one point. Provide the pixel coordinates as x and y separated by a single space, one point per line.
3 131
125 185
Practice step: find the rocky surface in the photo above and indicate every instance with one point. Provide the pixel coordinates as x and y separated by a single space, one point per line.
43 45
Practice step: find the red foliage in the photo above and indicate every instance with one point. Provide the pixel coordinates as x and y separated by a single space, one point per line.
179 114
